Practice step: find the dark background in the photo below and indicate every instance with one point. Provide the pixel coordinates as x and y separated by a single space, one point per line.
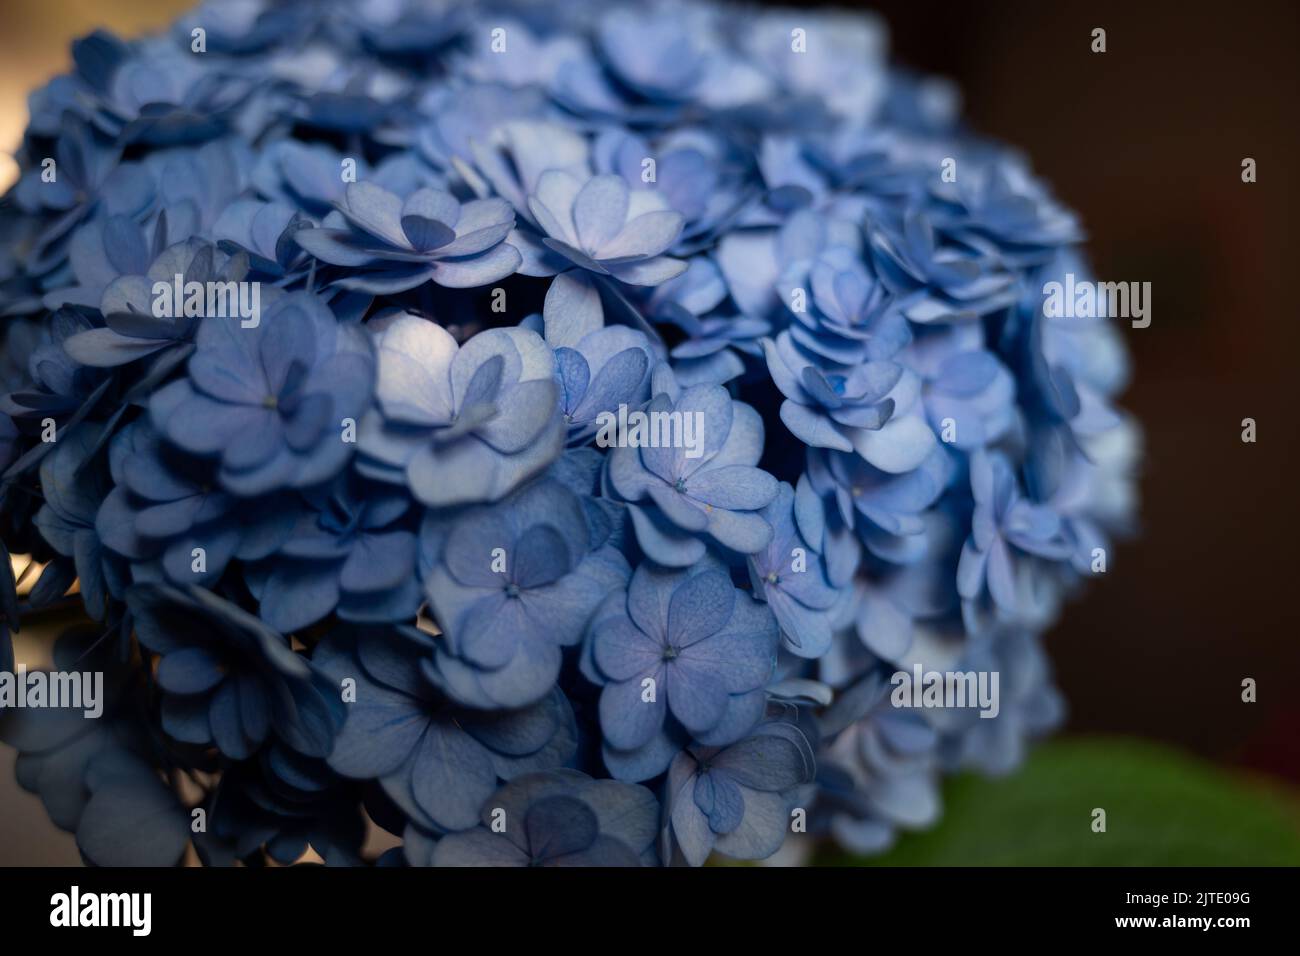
1146 142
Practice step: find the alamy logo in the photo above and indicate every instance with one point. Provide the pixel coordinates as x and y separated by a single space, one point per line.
948 689
72 909
1098 300
652 430
72 691
216 300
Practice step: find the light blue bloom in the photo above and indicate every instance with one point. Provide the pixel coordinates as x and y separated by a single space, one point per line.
512 584
395 244
461 424
846 315
272 402
684 646
678 497
602 226
790 577
700 174
608 370
873 408
736 799
1008 531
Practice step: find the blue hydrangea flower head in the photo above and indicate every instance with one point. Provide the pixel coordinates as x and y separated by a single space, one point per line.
621 394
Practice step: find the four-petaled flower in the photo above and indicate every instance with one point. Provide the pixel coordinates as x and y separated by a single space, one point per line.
272 401
558 818
713 489
512 585
736 799
461 424
601 226
395 244
686 645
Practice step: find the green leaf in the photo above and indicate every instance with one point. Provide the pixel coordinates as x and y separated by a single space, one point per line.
1162 809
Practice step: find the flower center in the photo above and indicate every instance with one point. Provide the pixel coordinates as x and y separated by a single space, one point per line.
669 653
512 590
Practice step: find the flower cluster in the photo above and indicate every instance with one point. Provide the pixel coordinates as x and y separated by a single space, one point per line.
542 436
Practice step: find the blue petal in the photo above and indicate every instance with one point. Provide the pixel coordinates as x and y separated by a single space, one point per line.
189 670
572 309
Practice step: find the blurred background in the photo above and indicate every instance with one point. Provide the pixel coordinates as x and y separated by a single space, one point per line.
1146 142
